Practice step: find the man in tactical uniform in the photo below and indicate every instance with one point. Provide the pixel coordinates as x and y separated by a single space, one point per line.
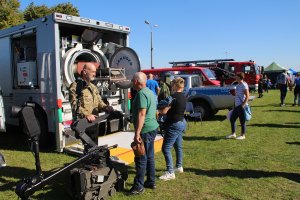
164 90
84 95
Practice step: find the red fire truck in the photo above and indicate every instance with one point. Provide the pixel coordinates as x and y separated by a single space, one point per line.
206 75
225 69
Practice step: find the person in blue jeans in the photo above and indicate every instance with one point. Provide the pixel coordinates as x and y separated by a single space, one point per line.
175 127
146 127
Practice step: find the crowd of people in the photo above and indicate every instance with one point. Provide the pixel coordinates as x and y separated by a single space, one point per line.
144 109
87 103
176 123
284 82
144 118
264 83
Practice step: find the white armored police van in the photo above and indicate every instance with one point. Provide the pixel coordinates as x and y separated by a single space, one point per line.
41 58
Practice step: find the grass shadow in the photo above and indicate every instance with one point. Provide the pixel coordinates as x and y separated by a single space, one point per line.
275 125
213 118
14 172
212 138
54 191
292 111
13 141
217 118
293 123
265 105
242 174
296 143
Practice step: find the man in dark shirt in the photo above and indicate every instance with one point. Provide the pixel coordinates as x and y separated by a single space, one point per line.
282 82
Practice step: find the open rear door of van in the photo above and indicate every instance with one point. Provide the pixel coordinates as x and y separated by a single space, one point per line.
2 114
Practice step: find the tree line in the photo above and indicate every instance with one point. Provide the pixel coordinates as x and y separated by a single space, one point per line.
11 15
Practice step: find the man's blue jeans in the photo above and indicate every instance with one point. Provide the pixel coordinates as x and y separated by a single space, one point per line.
172 137
146 164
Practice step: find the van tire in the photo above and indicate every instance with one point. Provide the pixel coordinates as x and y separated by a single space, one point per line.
203 108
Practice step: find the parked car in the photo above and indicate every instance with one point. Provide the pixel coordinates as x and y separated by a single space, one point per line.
207 100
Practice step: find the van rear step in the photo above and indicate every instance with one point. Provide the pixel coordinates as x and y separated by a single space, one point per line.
123 152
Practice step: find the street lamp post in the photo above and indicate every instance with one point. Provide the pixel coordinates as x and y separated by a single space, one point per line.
151 40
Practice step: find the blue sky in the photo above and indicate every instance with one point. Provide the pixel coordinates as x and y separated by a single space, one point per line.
265 31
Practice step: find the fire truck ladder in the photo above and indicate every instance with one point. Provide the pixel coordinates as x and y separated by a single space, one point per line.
187 63
225 72
207 62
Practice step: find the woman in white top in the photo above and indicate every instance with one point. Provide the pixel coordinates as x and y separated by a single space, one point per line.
240 101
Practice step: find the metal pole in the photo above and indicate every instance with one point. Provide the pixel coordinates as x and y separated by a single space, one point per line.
151 50
151 41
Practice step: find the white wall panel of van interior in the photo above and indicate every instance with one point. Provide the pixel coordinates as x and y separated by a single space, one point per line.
128 59
79 54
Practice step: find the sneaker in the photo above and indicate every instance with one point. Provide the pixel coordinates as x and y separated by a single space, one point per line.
230 136
2 161
241 137
282 104
167 176
149 185
178 169
135 191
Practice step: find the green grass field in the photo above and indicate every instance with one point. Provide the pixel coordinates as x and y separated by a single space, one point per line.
264 166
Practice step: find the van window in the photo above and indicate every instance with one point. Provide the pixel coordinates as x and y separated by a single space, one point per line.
210 75
196 81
